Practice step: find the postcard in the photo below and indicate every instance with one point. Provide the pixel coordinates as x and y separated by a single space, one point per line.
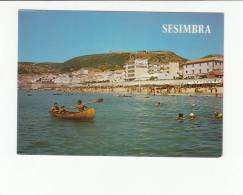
110 83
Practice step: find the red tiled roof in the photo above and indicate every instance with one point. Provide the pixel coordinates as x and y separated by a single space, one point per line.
200 60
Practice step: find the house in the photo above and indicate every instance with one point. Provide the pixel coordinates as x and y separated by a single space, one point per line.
80 72
164 71
63 79
202 67
117 76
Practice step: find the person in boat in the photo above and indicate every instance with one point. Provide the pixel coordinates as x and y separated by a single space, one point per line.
55 107
218 115
192 116
157 104
62 109
80 106
180 117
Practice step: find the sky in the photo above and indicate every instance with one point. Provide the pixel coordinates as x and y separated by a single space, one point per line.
56 36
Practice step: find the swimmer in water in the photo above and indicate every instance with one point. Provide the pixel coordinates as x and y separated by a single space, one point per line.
192 116
180 117
218 115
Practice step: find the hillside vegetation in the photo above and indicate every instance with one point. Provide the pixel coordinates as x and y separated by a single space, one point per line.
39 68
107 61
160 57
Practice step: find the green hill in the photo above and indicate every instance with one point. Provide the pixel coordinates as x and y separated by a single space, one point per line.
38 68
107 61
114 61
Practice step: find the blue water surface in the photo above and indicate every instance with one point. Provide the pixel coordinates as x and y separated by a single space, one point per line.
123 126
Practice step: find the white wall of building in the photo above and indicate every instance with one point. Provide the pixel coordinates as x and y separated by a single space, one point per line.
142 70
81 72
138 70
169 71
165 76
141 74
117 77
174 68
62 79
202 68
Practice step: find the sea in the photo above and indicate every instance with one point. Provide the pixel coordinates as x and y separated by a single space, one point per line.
123 126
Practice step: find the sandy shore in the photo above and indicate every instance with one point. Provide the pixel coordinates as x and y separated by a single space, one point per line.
201 91
190 90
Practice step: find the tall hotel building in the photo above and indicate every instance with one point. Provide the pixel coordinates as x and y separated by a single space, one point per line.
137 70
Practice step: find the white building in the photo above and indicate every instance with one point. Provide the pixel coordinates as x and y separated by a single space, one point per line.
63 79
165 76
75 80
101 77
170 71
164 71
137 70
202 67
142 70
81 72
117 76
174 69
44 79
154 68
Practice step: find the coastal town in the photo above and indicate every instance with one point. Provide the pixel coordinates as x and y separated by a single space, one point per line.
201 76
114 84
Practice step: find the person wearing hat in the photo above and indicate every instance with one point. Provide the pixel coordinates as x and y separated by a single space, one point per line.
80 106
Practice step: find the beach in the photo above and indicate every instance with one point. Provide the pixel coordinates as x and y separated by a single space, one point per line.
199 87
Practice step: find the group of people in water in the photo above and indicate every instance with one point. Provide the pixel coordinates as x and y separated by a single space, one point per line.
192 116
181 117
80 106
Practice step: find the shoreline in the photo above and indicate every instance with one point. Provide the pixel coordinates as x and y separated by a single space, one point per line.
131 90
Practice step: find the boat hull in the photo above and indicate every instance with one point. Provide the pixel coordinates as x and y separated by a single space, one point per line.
88 114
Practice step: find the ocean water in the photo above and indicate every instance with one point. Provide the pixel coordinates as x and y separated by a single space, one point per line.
122 126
